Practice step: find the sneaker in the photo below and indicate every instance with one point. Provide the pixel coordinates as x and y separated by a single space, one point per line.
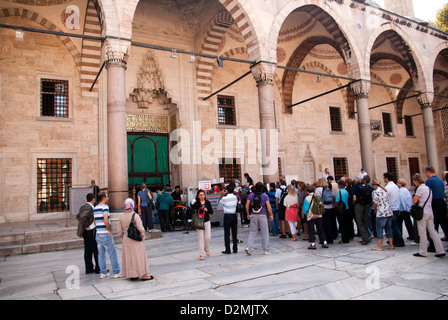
413 243
104 275
267 252
118 275
248 251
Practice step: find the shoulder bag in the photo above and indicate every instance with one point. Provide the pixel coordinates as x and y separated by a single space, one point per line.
133 232
417 211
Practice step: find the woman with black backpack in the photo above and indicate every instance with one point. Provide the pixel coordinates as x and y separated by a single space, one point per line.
259 203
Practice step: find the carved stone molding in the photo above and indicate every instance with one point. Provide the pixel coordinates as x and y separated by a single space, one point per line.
425 99
116 52
264 73
150 84
361 89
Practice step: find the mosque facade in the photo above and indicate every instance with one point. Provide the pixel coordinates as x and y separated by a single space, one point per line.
182 91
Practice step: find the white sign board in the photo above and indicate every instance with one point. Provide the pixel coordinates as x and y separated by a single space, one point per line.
205 185
78 198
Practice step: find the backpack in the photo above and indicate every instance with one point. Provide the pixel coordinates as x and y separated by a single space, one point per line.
317 206
327 196
283 195
256 202
159 200
364 195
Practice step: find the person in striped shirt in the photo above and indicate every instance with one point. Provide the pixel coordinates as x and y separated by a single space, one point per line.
104 238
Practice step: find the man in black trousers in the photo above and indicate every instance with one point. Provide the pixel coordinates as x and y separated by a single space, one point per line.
87 230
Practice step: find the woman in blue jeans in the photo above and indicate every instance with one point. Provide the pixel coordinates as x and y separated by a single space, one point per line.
381 203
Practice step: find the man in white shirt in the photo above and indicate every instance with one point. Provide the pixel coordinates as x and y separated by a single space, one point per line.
394 195
361 174
325 174
229 202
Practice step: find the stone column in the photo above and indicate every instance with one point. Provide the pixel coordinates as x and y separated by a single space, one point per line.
264 76
425 101
115 56
361 92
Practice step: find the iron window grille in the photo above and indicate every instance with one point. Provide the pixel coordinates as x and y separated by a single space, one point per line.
226 110
340 168
392 167
229 169
54 98
54 176
387 123
336 119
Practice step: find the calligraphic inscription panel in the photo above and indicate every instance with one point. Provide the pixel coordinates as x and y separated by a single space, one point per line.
146 123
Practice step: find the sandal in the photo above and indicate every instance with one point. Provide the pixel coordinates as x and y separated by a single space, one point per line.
378 249
201 258
207 253
149 278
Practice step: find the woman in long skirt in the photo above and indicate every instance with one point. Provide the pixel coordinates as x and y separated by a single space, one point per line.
134 260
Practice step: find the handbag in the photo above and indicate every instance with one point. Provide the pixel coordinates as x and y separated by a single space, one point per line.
417 211
239 208
198 219
133 232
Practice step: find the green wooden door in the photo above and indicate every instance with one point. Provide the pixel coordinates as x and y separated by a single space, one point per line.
148 159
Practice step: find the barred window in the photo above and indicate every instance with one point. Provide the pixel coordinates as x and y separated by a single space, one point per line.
336 119
54 98
340 168
444 116
226 110
279 168
229 169
387 123
54 176
409 126
392 167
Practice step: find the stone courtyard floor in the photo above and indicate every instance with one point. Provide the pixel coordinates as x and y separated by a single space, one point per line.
290 272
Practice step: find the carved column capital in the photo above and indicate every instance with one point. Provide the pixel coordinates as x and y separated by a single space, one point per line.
116 52
264 73
361 89
425 99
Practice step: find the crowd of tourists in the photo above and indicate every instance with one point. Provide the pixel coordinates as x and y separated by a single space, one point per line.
358 207
352 208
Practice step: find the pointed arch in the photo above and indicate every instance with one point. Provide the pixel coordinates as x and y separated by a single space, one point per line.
210 45
334 24
406 49
295 62
37 18
249 25
91 49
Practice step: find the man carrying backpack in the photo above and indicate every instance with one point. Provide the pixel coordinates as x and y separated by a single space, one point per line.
362 199
259 201
280 196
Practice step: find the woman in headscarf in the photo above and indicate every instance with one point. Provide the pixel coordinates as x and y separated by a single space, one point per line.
134 260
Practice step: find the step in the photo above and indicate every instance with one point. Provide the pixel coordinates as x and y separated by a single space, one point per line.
49 246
